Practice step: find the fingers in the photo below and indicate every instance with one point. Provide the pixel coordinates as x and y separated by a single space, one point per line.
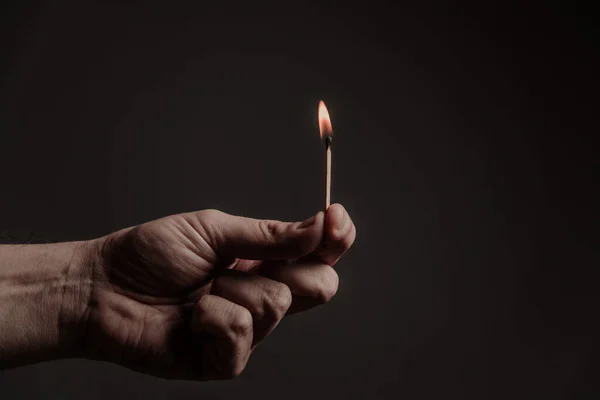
266 299
311 281
340 234
256 239
241 310
230 326
311 278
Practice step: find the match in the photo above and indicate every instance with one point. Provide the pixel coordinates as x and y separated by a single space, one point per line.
326 134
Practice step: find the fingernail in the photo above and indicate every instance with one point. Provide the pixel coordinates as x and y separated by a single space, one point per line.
308 222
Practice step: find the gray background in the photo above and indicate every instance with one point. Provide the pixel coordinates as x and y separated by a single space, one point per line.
462 151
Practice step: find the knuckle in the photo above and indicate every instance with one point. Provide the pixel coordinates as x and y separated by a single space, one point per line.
142 237
278 299
209 225
241 323
328 285
268 230
203 307
209 214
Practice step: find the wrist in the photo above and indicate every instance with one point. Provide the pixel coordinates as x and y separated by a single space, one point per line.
44 294
73 298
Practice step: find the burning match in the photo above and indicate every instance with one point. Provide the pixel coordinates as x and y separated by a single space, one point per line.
326 134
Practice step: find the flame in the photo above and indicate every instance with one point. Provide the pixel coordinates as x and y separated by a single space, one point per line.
324 121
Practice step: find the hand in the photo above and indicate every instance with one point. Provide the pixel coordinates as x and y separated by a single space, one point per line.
190 296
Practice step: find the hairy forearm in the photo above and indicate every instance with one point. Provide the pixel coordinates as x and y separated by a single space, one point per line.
43 292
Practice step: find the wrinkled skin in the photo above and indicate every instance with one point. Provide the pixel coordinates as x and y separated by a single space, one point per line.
189 296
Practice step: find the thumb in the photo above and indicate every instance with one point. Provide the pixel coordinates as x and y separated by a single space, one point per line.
260 239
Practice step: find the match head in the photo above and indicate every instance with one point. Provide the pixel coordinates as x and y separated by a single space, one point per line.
325 128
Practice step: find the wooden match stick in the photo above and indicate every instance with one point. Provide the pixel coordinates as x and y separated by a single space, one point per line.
326 133
327 172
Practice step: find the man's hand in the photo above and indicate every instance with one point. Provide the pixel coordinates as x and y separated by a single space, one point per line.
189 296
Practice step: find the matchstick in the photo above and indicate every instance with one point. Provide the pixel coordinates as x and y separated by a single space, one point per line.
327 172
326 132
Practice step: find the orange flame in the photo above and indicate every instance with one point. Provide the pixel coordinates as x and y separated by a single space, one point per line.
324 121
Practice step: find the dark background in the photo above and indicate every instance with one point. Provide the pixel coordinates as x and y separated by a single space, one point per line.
463 151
